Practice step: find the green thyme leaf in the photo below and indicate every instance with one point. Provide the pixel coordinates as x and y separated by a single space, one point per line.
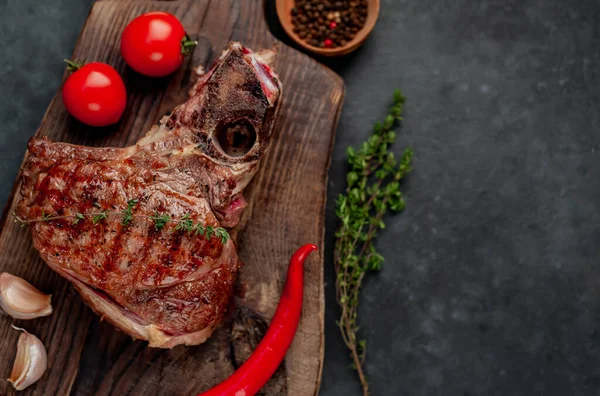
128 212
160 220
46 217
199 229
222 233
185 224
210 230
99 217
77 218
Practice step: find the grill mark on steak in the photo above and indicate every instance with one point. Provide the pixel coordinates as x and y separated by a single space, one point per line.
116 250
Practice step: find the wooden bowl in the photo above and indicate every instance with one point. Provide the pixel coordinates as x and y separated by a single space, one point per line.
284 12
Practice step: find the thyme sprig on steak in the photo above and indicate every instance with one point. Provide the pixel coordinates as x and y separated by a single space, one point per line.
160 221
373 189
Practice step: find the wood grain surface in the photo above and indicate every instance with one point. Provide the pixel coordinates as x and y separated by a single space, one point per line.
287 204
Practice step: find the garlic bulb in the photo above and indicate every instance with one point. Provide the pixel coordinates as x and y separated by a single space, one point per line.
21 300
31 361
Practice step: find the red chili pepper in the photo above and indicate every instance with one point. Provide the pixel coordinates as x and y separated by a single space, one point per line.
263 362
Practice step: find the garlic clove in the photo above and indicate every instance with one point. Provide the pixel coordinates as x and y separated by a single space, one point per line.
31 361
21 300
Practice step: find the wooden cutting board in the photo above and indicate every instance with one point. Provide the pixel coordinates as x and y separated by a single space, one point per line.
287 206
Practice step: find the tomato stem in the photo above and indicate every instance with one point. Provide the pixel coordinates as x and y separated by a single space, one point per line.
73 65
187 45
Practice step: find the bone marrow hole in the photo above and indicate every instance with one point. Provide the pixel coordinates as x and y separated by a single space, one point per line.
236 139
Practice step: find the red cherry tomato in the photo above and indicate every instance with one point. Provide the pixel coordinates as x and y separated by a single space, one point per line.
94 94
154 44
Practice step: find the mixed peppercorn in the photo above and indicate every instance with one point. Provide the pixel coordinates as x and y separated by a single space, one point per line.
328 24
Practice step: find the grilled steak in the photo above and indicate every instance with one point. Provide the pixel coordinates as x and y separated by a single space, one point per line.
163 285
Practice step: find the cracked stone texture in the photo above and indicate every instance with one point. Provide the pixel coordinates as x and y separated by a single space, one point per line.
491 284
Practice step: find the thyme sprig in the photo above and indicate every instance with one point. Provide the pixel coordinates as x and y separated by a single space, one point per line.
159 219
373 189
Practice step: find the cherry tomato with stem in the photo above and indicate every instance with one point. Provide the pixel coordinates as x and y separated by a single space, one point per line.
155 44
94 94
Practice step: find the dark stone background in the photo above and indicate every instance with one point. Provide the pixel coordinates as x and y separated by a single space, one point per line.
492 280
